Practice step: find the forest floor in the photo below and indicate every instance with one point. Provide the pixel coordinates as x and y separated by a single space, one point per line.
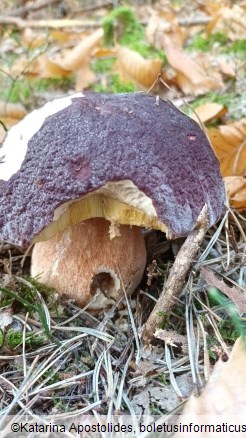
56 359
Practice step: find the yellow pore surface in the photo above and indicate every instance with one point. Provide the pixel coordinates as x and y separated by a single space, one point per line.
98 205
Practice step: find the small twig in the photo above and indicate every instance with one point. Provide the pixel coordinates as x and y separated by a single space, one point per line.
194 21
30 7
92 7
52 24
14 19
176 278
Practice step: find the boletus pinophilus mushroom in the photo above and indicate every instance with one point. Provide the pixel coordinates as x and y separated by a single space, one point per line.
84 173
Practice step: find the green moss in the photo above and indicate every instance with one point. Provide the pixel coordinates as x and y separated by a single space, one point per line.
16 91
34 340
223 99
163 379
23 89
13 339
6 300
155 409
122 26
52 84
53 377
164 319
238 47
212 355
27 296
104 65
228 331
115 86
60 405
146 50
42 288
231 327
230 101
204 44
233 101
176 3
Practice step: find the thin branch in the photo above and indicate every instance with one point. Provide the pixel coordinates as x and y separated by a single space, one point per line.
11 18
52 24
30 7
176 278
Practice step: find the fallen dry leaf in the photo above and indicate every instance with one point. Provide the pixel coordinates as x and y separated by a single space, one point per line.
208 111
21 66
65 37
65 62
84 77
213 7
237 295
45 68
191 77
12 110
227 65
163 398
163 30
229 144
133 67
146 367
32 39
236 191
229 21
75 58
171 337
103 52
10 114
223 400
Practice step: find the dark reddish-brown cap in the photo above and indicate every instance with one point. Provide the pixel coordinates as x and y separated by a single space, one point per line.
127 157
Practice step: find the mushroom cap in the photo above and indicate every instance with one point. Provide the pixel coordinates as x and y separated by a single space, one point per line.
125 157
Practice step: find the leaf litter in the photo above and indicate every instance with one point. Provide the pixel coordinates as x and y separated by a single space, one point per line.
89 363
58 359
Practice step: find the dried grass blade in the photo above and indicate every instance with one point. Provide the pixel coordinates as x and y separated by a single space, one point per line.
95 379
62 383
135 333
171 373
191 342
22 389
123 377
211 243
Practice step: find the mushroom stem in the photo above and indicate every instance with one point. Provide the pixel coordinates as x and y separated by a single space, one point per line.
176 279
83 263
